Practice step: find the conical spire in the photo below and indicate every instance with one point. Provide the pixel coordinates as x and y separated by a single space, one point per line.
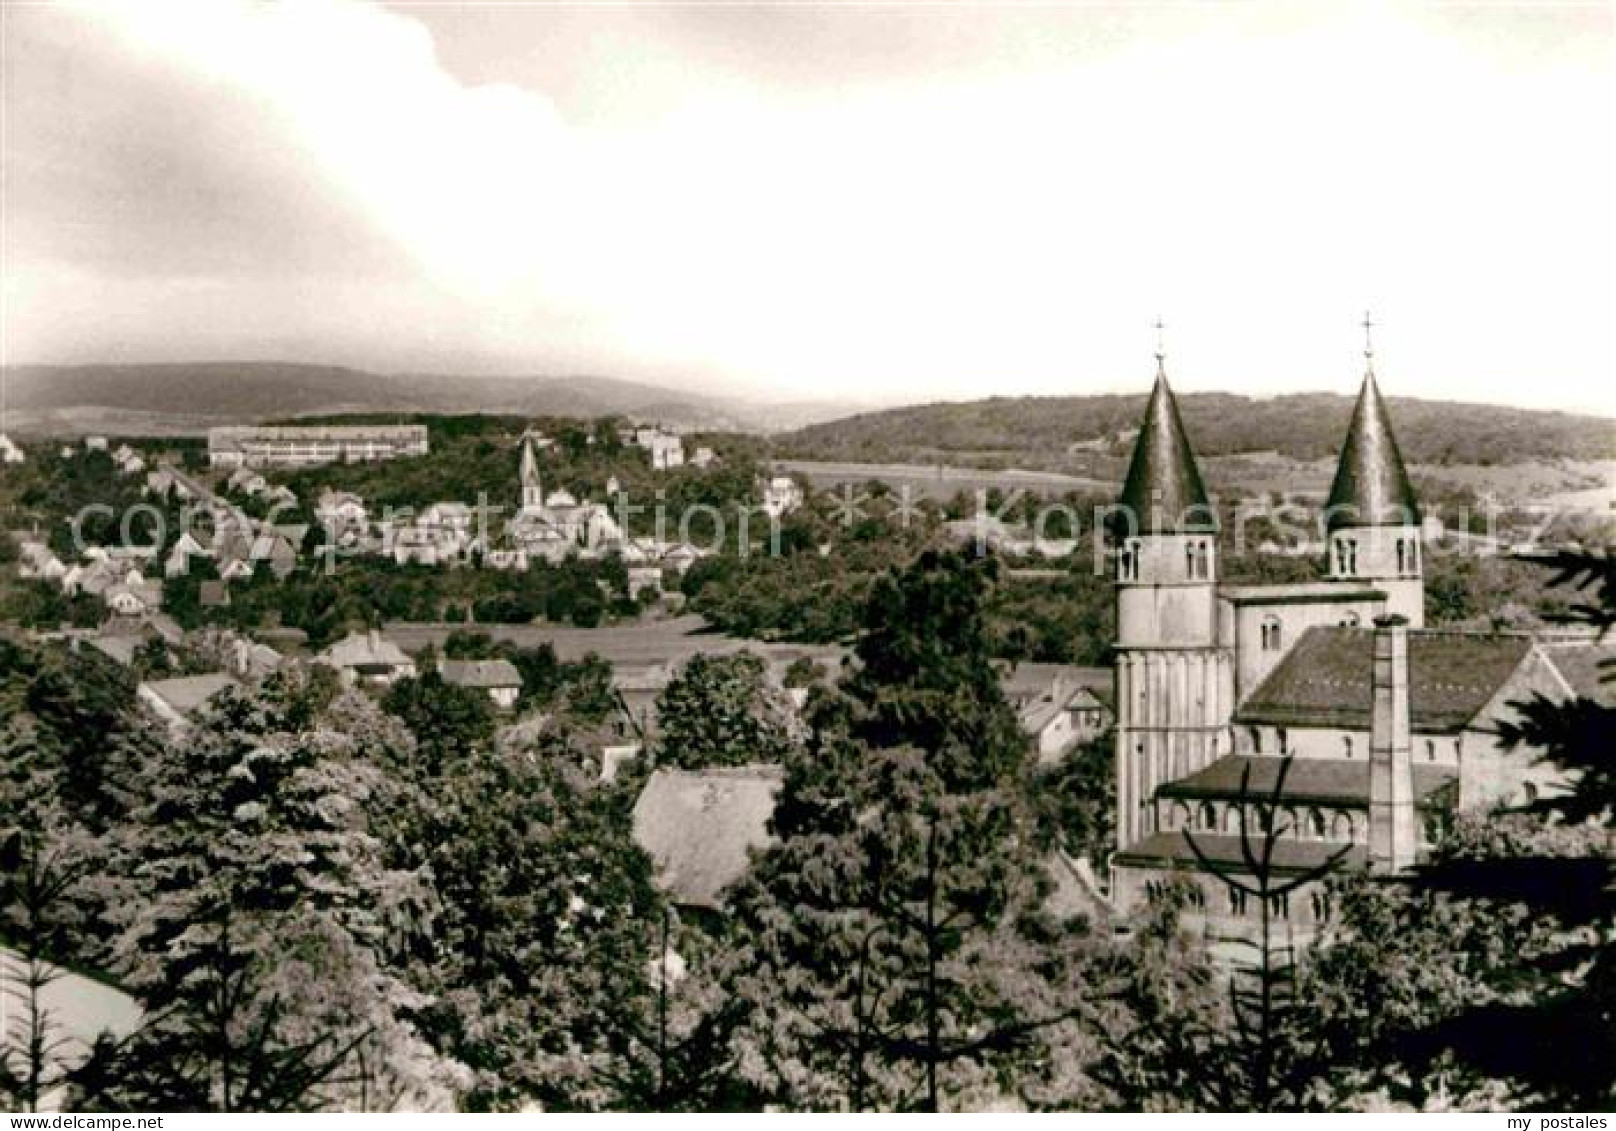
1371 484
1163 492
532 492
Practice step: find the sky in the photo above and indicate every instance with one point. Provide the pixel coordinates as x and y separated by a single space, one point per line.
879 203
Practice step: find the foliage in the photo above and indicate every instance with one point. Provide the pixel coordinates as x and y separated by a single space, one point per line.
723 711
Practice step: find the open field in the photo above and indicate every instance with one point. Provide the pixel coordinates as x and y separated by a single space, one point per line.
941 481
625 646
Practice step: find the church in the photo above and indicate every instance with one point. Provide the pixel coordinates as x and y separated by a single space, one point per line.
556 526
1388 726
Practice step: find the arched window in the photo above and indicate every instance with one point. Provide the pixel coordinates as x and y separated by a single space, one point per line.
1256 740
1340 555
1350 621
1341 827
1272 637
1189 559
1315 824
1346 745
1202 560
1430 749
1237 901
1125 564
1284 740
1231 820
1401 567
1209 817
1320 901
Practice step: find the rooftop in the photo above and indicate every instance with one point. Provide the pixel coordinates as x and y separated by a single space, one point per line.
1225 853
700 826
1326 781
1300 593
1324 680
188 693
480 673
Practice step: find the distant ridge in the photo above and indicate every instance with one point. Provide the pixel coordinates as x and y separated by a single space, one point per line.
1032 431
186 397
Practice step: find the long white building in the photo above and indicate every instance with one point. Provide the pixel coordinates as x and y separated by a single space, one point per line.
308 445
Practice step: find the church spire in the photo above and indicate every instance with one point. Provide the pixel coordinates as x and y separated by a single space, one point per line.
532 489
1371 485
1163 492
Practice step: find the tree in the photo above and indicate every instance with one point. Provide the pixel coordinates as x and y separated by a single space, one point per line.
448 722
251 866
723 711
891 947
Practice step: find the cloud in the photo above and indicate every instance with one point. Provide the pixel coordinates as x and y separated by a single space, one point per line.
313 177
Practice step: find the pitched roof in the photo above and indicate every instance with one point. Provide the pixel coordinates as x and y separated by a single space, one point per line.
187 693
360 649
1324 680
1224 853
1337 782
1371 485
1163 491
480 673
1590 670
699 827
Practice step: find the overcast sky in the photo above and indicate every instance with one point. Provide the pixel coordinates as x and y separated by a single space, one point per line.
873 202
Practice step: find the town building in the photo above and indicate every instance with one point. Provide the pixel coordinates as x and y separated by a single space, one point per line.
499 678
177 701
1382 728
699 827
555 526
309 445
781 495
368 658
1058 706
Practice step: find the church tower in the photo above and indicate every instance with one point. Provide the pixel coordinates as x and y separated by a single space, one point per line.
1373 518
1175 684
532 489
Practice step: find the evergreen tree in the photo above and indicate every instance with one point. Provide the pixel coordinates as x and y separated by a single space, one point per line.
891 947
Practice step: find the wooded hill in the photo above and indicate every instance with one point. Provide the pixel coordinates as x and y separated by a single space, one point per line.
1033 431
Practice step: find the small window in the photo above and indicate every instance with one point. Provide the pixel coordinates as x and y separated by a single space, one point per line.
1346 745
1350 621
1209 817
1256 740
1529 792
1272 634
1189 560
1237 901
1402 567
1315 824
1430 749
1284 740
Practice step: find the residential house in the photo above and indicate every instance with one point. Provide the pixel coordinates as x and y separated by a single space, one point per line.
700 828
499 678
368 658
781 495
176 701
1058 705
82 1008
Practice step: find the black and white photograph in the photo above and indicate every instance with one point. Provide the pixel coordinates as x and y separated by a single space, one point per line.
645 556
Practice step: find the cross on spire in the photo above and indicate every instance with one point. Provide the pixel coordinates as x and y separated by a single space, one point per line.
1161 345
1368 341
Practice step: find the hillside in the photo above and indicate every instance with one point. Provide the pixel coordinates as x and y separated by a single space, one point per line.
188 397
1049 432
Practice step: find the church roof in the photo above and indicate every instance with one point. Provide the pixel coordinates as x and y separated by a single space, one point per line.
1225 854
1371 485
1337 782
1163 492
1325 680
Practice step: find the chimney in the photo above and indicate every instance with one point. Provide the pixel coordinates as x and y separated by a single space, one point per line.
1392 828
